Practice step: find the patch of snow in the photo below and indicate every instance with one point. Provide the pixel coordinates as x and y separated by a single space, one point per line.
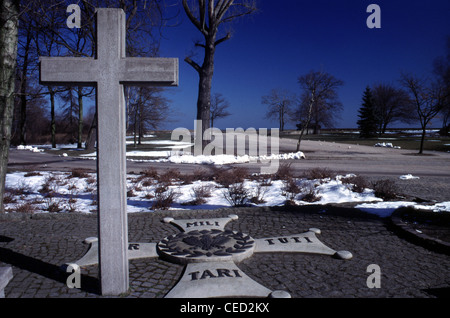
78 194
408 177
29 148
385 209
386 145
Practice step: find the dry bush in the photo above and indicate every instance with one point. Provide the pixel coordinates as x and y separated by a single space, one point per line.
9 197
187 178
164 197
226 178
236 194
259 193
91 180
79 173
319 174
130 193
204 175
147 182
32 174
149 173
170 176
358 183
199 194
53 206
26 207
22 188
284 172
290 189
49 187
385 189
310 194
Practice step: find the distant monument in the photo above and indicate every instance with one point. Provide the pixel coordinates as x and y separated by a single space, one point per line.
108 72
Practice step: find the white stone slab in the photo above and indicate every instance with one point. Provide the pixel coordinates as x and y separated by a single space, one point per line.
201 224
135 251
225 279
300 243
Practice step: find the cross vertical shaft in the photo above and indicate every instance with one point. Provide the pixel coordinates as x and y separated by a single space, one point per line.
108 72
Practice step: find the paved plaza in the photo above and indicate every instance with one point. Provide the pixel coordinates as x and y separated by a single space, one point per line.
37 245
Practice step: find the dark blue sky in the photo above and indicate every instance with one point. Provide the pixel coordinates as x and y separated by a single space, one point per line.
288 38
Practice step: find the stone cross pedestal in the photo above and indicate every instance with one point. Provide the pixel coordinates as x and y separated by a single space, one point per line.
108 72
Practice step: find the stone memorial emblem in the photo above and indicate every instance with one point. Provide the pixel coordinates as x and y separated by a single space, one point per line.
210 253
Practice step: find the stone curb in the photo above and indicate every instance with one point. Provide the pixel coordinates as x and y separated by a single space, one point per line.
411 234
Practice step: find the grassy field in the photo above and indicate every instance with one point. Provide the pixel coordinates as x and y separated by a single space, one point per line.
404 138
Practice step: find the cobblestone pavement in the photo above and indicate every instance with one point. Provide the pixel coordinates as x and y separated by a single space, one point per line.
36 246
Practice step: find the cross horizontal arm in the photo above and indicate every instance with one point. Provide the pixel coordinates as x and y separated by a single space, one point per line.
149 71
70 70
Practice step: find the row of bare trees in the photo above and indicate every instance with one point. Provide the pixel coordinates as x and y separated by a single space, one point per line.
414 100
33 28
317 106
43 32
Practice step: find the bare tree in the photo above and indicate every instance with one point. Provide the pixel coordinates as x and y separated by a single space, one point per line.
442 72
207 16
219 107
427 97
9 15
279 103
148 109
391 105
319 101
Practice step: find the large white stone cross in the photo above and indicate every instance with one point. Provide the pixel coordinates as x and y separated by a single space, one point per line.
108 72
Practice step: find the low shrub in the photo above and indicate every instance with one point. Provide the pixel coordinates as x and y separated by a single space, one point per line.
26 207
236 194
79 173
170 176
357 183
149 173
284 172
290 190
9 197
259 194
385 189
226 178
319 174
199 194
203 175
164 197
310 194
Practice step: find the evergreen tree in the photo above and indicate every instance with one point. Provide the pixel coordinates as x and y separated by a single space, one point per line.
368 123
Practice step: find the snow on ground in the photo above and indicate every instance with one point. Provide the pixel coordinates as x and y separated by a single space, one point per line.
386 145
65 193
29 148
408 177
24 189
228 159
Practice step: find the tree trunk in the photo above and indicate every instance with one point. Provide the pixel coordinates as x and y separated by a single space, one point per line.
23 91
308 120
80 117
92 134
8 57
52 115
205 72
422 139
204 95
